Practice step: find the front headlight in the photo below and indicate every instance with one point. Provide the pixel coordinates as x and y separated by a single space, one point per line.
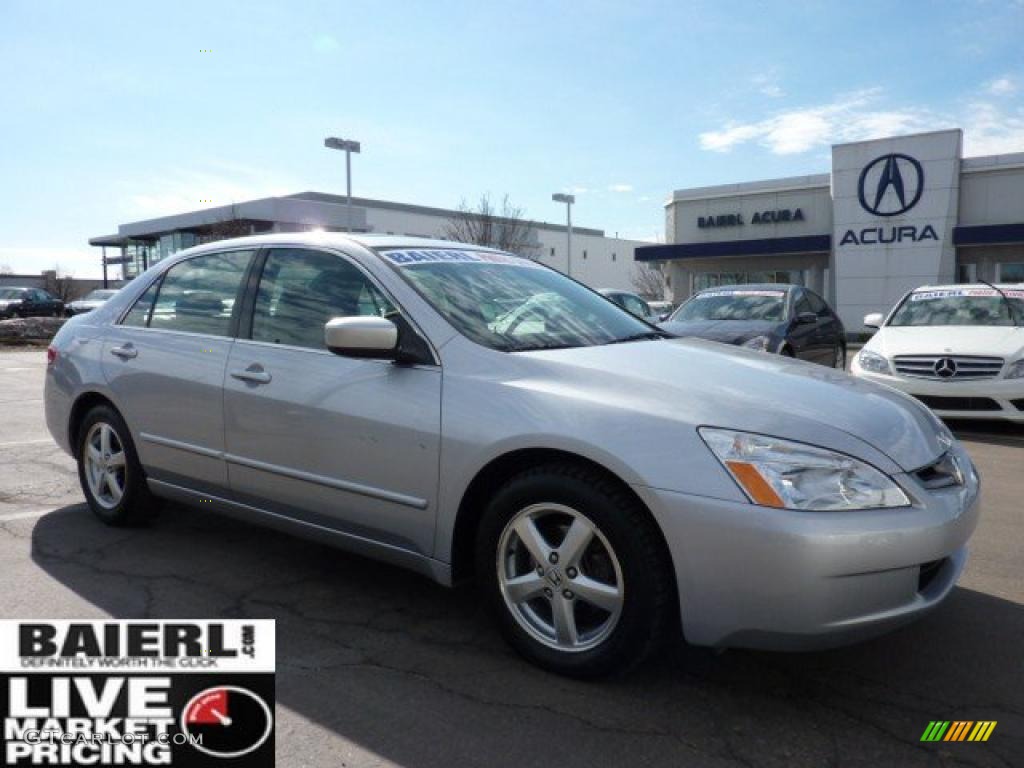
1015 371
759 343
780 473
873 362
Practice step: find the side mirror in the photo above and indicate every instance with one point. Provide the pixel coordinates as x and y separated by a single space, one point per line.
372 337
806 318
874 320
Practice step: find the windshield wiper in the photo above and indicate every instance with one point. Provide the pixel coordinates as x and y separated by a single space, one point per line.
645 336
1009 304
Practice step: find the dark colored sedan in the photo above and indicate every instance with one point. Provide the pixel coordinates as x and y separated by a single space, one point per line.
28 302
784 319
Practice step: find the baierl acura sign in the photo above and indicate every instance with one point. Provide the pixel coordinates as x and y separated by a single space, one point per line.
890 185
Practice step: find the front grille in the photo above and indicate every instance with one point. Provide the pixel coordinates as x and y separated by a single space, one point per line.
959 403
1018 404
948 367
928 573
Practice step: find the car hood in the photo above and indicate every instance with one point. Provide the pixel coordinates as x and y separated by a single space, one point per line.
703 383
997 341
729 331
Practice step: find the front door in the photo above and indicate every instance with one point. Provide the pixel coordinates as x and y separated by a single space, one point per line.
165 365
350 444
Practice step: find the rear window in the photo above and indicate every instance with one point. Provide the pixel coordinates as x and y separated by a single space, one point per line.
733 304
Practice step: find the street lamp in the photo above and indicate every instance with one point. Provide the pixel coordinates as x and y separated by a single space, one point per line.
558 197
349 146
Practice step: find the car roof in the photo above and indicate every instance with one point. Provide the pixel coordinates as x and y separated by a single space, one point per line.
336 239
754 286
16 287
969 286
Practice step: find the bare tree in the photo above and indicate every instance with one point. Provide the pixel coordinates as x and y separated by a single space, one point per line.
485 224
60 283
5 269
649 282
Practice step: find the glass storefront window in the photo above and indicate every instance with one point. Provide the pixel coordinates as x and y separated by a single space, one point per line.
703 280
1011 273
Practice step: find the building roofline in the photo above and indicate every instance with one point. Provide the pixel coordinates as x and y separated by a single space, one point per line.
264 209
760 187
369 202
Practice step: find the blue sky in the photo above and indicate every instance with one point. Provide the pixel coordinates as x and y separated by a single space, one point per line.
112 113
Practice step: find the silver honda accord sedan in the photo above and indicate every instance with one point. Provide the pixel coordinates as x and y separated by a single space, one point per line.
468 413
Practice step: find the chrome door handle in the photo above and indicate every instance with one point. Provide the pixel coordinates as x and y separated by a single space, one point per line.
254 376
127 352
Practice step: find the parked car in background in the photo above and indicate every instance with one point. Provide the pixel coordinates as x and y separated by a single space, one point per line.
607 486
959 349
661 309
28 302
788 320
90 301
629 302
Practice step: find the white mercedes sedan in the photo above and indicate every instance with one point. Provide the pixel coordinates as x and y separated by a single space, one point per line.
959 349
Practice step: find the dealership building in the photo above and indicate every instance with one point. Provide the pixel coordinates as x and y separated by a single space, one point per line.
597 260
892 215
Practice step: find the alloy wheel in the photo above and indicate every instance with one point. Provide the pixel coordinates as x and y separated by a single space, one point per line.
105 468
560 577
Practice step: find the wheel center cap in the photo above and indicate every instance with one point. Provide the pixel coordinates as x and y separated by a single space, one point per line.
554 577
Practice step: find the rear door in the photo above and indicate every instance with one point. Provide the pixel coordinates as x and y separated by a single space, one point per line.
345 443
164 363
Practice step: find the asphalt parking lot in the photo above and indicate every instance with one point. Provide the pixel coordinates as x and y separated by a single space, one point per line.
377 666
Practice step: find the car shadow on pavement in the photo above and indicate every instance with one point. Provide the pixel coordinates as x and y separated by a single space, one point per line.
415 674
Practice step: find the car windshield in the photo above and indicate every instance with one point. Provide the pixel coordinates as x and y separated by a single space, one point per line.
512 304
738 304
11 293
961 306
99 295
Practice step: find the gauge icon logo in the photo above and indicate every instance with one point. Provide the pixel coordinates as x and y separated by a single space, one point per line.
231 721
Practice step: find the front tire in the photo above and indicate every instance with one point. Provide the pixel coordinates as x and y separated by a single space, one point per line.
575 571
109 470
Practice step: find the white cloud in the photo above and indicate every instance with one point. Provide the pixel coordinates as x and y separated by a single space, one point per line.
990 130
325 44
849 117
32 260
767 84
620 187
177 191
1002 86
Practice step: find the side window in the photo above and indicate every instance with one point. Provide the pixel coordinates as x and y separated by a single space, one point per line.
300 290
198 295
636 306
802 305
818 305
138 315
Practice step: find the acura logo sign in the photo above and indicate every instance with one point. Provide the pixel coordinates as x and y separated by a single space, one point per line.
945 368
890 185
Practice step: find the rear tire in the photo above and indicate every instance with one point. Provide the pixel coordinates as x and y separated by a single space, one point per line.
109 470
575 571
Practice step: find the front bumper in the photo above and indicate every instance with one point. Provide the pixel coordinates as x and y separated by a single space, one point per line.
998 398
757 577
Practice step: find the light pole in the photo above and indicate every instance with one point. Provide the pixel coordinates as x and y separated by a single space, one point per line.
558 197
349 146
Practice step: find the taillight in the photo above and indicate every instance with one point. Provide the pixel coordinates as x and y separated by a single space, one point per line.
51 355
